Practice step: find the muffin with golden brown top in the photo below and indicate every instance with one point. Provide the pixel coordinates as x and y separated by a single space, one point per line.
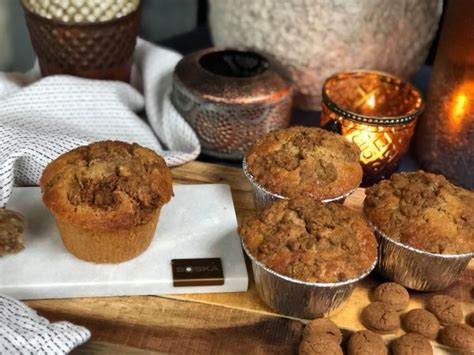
310 241
106 198
424 211
304 161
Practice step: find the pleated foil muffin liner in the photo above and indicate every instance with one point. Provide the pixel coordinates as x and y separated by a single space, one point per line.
300 299
417 269
262 197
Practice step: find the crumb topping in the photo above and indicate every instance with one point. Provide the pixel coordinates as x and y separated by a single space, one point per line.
424 211
305 161
311 241
107 177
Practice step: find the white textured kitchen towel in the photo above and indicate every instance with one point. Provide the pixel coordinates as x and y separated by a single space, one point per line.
40 118
22 331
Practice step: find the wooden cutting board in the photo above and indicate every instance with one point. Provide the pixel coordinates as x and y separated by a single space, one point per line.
215 323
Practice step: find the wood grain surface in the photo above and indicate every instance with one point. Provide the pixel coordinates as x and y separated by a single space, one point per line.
231 323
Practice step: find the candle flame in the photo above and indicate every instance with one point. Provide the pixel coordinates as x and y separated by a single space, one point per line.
371 101
459 110
460 106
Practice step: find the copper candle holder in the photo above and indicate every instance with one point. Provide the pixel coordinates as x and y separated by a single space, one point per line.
375 110
230 98
84 38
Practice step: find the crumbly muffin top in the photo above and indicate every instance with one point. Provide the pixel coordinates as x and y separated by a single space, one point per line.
107 185
305 161
311 241
424 211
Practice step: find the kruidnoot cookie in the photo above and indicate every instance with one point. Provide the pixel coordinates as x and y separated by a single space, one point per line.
446 309
380 317
365 342
323 325
459 336
412 344
11 232
422 322
393 294
320 344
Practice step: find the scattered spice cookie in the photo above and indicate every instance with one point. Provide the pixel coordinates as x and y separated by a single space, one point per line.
11 232
393 294
422 322
470 319
365 342
446 309
325 326
380 317
320 344
459 336
412 344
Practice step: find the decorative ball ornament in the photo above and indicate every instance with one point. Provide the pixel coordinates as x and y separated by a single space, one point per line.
313 39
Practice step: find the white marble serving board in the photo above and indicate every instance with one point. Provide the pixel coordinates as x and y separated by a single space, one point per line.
199 222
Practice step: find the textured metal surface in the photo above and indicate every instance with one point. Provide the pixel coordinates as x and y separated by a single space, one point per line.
229 113
100 50
301 299
262 197
417 269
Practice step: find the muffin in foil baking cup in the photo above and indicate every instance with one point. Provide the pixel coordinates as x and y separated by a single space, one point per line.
300 299
418 269
262 197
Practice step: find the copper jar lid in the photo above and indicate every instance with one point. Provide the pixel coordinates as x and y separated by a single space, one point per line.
230 98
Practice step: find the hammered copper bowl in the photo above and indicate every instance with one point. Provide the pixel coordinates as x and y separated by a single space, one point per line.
95 50
418 269
230 98
300 299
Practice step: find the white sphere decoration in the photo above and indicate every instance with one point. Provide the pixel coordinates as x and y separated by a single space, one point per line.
313 39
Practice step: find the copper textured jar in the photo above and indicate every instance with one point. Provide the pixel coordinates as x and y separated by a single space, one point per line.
86 40
230 98
445 136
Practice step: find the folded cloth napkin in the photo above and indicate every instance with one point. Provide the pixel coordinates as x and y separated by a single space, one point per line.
22 331
41 118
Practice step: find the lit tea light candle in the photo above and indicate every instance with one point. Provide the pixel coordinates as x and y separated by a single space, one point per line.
375 110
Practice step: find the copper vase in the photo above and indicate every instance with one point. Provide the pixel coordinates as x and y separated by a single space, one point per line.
445 135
